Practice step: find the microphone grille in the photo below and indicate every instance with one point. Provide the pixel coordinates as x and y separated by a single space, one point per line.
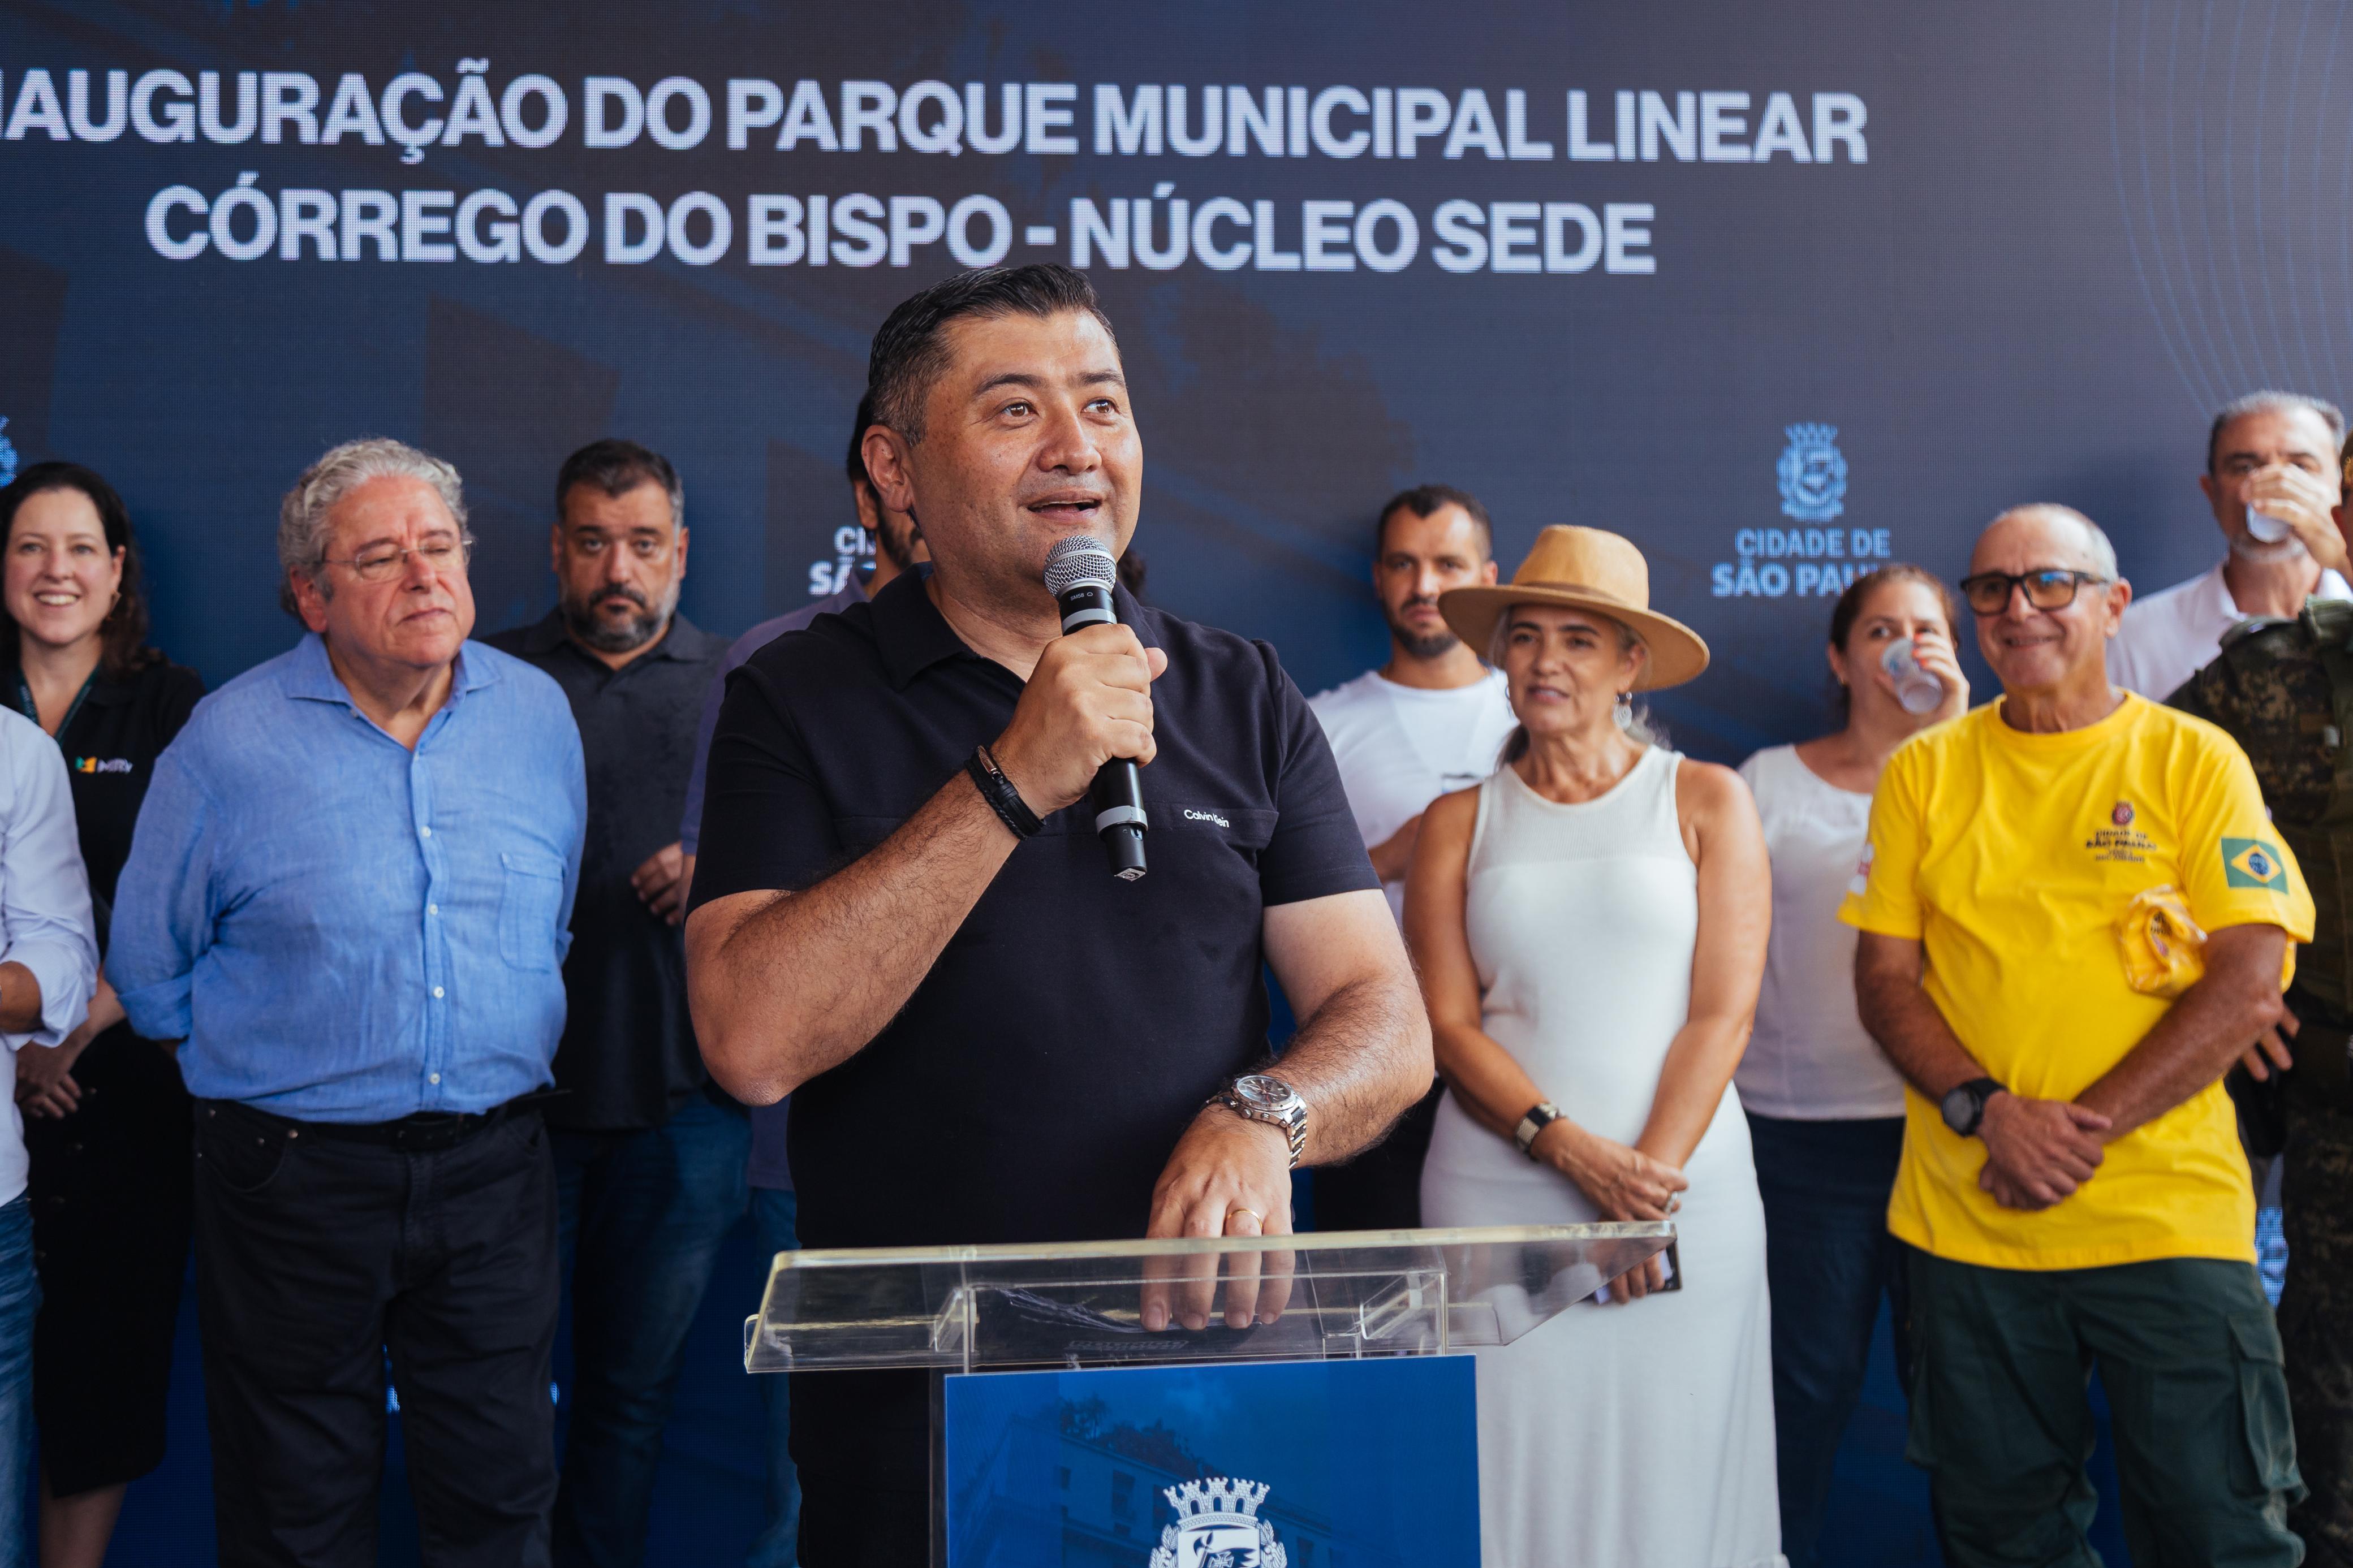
1077 562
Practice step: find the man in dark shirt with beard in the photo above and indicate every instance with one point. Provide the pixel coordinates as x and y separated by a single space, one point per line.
903 917
650 1157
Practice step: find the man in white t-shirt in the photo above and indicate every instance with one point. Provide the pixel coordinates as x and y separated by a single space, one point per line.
1429 722
2275 454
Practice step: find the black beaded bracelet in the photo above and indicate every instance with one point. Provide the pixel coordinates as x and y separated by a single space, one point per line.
1002 798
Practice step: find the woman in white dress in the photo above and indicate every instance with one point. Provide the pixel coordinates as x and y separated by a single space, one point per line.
1591 925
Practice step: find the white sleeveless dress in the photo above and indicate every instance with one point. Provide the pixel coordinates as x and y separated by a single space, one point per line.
1630 1435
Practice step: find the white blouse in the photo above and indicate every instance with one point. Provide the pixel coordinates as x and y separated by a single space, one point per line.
1809 1059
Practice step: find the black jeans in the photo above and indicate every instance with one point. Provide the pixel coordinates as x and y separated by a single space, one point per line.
1828 1260
315 1256
862 1444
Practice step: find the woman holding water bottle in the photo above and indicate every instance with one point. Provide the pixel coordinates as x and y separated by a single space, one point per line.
1825 1107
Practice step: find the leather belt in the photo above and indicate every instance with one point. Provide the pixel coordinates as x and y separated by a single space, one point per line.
423 1133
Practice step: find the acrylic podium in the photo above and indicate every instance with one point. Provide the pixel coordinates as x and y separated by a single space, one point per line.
1066 1432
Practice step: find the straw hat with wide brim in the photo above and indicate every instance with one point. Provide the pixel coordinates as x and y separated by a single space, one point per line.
1584 569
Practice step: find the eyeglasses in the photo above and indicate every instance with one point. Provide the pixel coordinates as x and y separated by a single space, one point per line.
2053 588
383 564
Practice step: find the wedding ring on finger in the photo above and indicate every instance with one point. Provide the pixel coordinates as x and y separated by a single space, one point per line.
1255 1216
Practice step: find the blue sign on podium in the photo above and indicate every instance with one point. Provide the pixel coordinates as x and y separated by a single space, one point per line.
1371 1463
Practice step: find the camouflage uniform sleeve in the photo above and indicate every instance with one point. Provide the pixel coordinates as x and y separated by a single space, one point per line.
2196 695
2269 691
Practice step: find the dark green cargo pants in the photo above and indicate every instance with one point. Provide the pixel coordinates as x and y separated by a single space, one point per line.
2190 1358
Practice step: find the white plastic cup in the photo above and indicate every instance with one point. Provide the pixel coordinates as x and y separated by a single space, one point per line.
1918 689
2265 528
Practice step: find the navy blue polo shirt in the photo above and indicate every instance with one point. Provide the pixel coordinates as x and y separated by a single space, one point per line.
1034 1085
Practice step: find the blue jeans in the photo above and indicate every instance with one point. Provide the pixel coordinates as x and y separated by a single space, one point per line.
20 1299
1827 1261
641 1216
772 1232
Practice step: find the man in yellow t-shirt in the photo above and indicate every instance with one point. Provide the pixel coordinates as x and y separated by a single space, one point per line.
2071 1179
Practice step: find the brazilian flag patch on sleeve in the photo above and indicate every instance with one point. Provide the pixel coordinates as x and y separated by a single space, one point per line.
2251 863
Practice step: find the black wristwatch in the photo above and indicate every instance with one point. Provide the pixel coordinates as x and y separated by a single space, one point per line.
1964 1107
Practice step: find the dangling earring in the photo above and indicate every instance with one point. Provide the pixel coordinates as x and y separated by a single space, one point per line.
1625 711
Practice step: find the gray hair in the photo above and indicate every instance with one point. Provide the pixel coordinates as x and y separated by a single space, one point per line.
302 516
2272 401
2096 543
1634 718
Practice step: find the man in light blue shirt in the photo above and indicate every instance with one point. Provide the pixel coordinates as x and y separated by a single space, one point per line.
348 893
48 966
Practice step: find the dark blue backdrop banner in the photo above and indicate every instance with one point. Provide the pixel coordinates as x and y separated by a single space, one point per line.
1778 289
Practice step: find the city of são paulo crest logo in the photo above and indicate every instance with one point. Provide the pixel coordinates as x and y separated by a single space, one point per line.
7 453
1812 474
1218 1526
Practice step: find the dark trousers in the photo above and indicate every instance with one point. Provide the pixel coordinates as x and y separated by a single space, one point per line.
2190 1358
773 1212
1380 1189
862 1444
2315 1317
110 1216
642 1214
315 1257
1829 1261
20 1299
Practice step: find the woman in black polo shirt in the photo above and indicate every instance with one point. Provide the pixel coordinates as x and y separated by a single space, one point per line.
106 1118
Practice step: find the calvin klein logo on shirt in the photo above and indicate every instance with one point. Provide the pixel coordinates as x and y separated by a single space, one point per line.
102 765
1192 816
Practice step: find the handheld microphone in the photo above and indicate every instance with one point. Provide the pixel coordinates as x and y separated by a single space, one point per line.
1079 574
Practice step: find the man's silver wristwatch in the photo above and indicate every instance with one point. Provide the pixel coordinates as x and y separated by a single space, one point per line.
1264 1099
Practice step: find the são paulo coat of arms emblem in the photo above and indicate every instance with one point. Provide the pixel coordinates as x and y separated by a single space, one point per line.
1812 474
1218 1526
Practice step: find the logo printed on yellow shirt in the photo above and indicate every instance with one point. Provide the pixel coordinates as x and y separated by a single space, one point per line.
2121 841
2251 863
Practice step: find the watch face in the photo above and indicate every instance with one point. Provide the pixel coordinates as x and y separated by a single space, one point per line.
1960 1108
1260 1090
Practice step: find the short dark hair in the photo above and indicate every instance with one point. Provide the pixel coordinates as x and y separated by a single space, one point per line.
1423 500
909 352
857 463
122 637
2271 402
617 467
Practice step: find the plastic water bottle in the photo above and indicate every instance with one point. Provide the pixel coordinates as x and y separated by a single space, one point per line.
1916 688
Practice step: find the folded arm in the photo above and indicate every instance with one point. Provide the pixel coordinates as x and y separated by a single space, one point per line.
48 949
785 985
2037 1151
2207 1029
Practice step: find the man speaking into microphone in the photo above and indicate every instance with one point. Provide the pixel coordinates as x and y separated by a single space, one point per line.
903 917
